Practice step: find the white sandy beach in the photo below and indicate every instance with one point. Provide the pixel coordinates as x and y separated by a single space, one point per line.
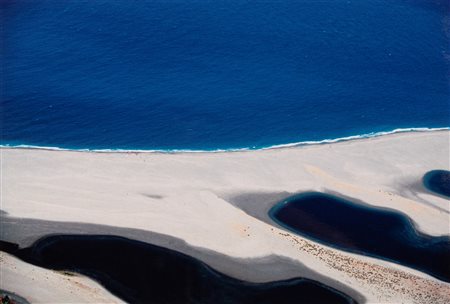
185 195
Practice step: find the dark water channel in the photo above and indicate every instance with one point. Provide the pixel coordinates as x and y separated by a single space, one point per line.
140 272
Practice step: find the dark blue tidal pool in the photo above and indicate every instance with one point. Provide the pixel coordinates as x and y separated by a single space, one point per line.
140 272
438 181
372 231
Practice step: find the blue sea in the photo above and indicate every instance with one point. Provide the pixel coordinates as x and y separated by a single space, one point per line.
208 75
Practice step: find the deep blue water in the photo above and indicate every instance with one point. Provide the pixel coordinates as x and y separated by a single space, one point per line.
219 74
367 230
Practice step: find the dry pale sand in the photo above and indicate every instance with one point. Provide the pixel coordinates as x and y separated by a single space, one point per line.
192 196
47 286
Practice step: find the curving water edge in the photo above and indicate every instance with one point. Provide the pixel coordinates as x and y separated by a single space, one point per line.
145 273
382 233
280 146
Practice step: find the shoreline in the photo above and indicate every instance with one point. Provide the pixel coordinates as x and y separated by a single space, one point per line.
245 149
207 201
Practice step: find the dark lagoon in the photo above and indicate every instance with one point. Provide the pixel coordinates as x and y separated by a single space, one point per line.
140 272
366 230
438 181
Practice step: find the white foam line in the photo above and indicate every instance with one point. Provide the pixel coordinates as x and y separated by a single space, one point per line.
280 146
354 137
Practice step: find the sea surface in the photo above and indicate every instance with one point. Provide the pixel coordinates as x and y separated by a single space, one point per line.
208 75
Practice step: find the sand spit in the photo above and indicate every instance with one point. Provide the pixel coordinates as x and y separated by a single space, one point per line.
187 196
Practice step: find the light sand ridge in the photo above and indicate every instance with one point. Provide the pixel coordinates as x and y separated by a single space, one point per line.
40 285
